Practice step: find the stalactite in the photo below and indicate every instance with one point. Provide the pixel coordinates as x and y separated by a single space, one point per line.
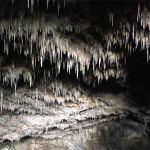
1 101
147 55
58 5
77 69
32 3
47 3
41 61
28 3
33 62
15 84
64 3
59 46
111 16
30 74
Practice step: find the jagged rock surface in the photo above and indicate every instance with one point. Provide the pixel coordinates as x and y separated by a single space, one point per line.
64 71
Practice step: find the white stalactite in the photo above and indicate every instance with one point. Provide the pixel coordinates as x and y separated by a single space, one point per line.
32 3
1 101
15 84
64 3
47 3
28 3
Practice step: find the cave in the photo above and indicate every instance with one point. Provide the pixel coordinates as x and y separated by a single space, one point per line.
74 75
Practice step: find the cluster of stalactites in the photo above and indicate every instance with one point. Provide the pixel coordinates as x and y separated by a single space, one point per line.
113 37
125 28
143 35
58 91
30 3
49 41
11 75
110 72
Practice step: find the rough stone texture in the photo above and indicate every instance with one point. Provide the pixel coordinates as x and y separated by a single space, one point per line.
115 135
68 70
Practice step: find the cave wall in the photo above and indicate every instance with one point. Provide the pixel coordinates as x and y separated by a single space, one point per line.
69 65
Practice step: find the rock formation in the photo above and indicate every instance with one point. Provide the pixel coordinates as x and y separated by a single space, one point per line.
70 66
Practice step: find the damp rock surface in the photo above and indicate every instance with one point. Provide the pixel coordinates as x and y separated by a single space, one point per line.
74 75
124 134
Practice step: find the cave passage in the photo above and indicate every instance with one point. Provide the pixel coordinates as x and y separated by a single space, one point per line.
74 75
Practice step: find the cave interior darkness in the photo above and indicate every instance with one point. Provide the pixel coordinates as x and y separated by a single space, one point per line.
67 65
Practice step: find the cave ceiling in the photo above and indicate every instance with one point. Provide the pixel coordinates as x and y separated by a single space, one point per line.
67 65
